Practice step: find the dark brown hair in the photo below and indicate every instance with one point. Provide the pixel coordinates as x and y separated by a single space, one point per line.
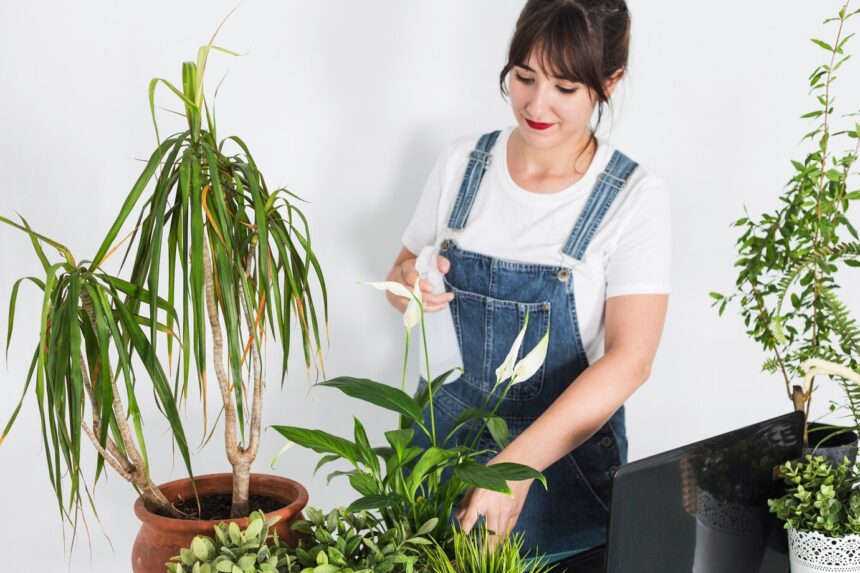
583 41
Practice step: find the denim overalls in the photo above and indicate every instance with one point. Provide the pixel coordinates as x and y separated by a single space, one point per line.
491 299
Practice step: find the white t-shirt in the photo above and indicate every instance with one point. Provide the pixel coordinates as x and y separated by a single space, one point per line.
629 254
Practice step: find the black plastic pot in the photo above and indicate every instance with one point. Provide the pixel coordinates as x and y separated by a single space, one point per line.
832 442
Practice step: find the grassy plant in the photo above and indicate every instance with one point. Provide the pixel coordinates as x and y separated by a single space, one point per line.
481 552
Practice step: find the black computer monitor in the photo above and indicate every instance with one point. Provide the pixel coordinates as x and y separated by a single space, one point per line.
702 508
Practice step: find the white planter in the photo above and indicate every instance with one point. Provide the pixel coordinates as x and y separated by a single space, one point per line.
812 552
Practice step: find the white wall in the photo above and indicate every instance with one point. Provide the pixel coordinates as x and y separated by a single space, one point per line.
349 103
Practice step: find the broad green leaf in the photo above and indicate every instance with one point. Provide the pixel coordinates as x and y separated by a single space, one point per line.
481 476
365 450
373 502
518 472
499 430
400 440
431 458
379 394
320 441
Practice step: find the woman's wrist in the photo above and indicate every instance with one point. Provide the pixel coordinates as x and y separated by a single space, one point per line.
520 452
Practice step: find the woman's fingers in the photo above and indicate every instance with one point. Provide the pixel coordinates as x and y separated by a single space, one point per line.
443 264
435 303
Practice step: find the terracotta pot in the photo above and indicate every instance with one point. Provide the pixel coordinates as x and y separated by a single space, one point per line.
160 538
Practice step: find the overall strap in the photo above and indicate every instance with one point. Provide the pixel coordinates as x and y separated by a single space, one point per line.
609 183
479 160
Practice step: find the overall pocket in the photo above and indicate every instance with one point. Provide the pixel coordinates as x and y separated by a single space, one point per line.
486 329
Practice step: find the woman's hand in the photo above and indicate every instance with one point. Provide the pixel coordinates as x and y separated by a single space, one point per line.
500 511
404 272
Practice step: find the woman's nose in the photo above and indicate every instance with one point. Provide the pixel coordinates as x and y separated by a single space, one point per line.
539 103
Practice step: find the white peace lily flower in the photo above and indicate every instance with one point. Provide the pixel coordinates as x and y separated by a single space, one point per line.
392 287
412 315
531 363
506 370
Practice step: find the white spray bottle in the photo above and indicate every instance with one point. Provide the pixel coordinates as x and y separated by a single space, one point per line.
442 344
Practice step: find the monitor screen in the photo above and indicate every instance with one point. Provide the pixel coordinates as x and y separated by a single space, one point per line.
703 508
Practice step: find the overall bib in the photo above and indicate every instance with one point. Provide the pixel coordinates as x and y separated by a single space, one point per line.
491 299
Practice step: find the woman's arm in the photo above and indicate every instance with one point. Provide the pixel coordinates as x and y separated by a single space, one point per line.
404 273
633 326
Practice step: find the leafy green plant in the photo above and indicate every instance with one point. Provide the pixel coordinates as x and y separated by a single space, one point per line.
787 262
405 481
819 497
235 551
478 552
212 237
357 543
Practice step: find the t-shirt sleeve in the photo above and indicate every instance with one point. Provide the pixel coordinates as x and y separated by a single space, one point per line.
423 227
641 262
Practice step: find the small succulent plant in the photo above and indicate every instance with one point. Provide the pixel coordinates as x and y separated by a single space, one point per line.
236 551
819 497
358 542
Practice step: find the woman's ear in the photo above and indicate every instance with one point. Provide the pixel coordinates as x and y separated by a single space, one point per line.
610 84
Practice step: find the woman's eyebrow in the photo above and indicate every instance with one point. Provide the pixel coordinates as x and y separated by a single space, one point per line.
525 67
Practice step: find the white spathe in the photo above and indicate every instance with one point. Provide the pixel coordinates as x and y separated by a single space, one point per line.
531 362
506 369
412 315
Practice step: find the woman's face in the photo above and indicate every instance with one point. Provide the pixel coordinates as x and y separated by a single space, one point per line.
549 111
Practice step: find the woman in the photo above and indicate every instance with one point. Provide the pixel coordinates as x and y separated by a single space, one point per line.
547 219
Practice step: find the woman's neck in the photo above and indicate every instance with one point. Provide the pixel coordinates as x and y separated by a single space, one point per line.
564 160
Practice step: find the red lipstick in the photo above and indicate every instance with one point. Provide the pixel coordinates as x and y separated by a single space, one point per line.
536 125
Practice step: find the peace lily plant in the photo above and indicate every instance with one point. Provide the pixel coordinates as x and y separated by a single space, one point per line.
408 483
210 238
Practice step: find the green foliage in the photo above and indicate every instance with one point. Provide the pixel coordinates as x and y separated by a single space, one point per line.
357 543
235 551
477 553
206 220
788 259
819 497
407 483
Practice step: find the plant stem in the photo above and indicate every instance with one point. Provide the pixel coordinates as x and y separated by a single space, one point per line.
429 378
405 362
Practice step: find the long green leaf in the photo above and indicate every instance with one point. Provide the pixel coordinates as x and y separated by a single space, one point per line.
12 302
132 199
428 461
382 395
159 381
320 442
518 472
482 477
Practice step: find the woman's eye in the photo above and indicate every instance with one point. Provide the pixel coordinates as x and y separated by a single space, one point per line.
567 91
525 80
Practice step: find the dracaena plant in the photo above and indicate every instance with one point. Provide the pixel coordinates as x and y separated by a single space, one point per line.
786 285
212 239
405 481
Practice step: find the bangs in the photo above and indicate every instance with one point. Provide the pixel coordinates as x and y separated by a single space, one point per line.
560 41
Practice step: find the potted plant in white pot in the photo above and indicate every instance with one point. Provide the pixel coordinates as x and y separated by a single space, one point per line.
212 239
821 511
790 255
